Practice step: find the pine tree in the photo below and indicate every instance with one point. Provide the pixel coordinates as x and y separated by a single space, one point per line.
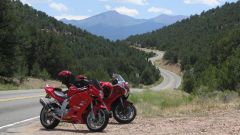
8 49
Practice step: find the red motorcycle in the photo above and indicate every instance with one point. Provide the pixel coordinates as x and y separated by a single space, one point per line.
116 94
76 105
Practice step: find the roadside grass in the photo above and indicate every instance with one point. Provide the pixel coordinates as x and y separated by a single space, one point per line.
170 103
8 87
29 83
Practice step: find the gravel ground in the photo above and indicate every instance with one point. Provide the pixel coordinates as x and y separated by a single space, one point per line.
214 123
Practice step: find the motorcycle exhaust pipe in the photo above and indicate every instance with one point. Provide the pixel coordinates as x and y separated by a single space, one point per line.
47 106
56 117
44 103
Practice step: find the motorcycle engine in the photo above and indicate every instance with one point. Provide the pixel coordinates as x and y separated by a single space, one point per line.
61 109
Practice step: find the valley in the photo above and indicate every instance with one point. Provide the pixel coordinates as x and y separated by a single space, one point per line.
205 45
183 70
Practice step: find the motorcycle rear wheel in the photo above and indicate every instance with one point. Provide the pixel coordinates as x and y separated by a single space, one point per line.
99 123
47 120
124 115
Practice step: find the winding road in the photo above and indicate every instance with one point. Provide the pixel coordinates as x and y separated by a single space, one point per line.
21 106
170 79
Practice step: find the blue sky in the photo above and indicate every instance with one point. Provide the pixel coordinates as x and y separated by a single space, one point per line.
80 9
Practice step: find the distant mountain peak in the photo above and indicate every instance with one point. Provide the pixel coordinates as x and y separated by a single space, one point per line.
64 19
109 13
110 18
114 25
112 12
168 19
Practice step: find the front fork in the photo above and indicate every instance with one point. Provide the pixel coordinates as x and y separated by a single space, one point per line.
92 111
124 102
121 102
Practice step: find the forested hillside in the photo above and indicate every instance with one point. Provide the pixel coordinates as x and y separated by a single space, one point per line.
34 44
206 45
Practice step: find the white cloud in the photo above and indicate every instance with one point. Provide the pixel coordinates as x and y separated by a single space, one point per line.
58 6
137 2
160 10
54 5
26 2
31 2
70 17
108 7
205 2
126 11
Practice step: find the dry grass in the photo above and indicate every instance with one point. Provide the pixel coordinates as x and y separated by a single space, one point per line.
171 103
33 83
30 83
8 87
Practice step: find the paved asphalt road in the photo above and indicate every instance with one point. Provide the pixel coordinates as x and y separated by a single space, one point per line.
23 105
170 79
18 105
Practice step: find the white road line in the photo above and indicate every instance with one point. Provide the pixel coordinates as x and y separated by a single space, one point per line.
23 121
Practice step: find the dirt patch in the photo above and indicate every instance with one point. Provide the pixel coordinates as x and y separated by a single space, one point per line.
30 83
215 123
175 68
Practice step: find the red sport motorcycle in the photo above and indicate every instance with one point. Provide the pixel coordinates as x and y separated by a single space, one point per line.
116 94
76 105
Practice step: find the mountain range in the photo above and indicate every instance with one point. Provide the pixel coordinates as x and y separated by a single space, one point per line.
114 26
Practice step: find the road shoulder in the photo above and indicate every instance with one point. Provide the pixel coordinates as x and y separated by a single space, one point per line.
214 122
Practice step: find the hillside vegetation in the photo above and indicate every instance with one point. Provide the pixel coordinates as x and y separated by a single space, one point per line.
34 44
207 46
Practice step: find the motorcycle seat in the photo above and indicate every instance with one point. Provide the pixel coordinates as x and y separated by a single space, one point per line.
60 94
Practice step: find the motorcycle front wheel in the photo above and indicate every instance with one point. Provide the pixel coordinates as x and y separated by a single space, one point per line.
47 120
97 122
124 115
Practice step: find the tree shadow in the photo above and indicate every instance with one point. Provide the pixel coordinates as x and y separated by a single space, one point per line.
116 123
69 130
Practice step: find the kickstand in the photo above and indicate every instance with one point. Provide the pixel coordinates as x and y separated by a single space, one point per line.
74 127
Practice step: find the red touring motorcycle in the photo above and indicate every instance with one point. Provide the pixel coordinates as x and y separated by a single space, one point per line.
116 94
76 105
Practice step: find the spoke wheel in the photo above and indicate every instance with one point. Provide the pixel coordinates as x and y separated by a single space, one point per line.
47 120
124 115
98 122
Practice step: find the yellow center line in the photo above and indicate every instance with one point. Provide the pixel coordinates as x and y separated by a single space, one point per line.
19 98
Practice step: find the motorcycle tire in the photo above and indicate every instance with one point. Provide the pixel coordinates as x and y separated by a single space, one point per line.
54 122
116 115
103 125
